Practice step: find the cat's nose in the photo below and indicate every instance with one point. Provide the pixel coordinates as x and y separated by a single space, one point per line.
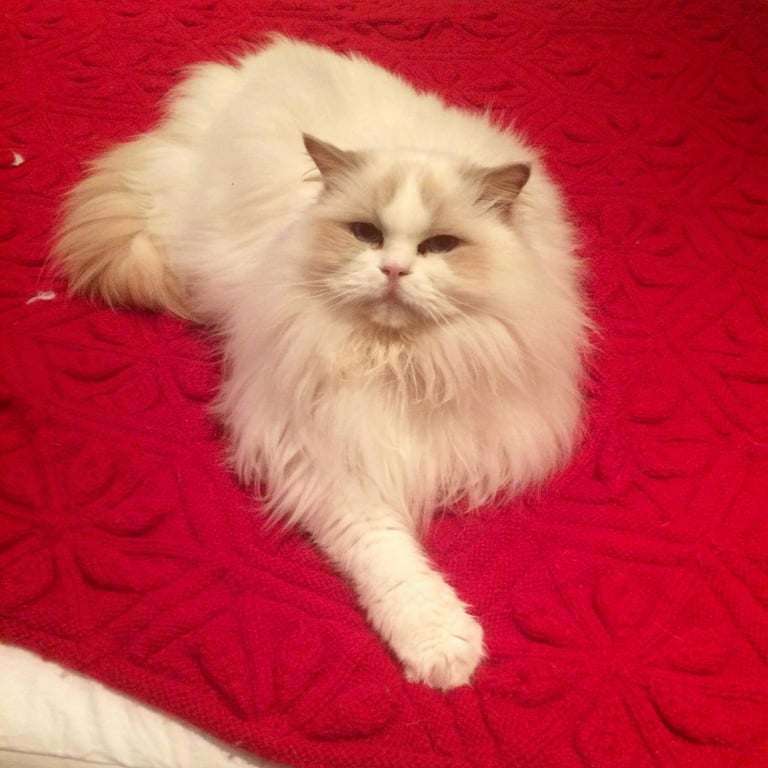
394 271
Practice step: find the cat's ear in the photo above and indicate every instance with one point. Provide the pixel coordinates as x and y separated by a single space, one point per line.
330 161
500 186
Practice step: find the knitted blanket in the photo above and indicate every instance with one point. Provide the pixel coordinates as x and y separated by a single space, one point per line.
625 605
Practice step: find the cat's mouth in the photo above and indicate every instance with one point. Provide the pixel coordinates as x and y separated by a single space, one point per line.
389 307
393 309
393 296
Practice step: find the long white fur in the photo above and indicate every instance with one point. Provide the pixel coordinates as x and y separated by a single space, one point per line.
359 437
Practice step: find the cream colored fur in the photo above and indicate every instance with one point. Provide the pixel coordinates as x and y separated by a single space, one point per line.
103 245
363 401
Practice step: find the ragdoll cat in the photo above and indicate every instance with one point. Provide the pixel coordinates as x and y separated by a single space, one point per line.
395 287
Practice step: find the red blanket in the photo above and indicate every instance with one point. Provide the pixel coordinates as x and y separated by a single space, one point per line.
626 606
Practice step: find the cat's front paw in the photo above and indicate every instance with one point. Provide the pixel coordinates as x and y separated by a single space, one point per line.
445 651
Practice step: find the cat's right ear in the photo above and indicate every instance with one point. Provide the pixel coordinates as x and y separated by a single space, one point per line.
331 161
500 186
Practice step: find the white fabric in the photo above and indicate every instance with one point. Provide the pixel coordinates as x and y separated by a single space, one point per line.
48 712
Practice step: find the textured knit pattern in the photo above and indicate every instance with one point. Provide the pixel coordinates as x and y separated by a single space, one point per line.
626 605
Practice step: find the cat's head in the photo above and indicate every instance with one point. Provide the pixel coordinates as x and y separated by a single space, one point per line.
405 239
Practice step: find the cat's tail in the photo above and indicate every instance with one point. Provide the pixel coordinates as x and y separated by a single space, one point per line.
103 243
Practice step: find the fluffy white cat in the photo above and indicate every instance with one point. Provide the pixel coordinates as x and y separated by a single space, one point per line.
396 291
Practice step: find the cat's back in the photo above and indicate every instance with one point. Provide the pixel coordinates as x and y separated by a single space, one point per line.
293 86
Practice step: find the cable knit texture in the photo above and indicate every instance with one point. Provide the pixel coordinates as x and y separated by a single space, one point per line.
625 605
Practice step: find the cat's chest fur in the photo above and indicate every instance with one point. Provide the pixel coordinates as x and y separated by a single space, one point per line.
399 406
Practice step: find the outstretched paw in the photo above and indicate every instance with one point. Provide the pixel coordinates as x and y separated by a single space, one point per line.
445 651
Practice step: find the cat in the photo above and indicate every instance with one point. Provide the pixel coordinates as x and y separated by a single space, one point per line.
398 296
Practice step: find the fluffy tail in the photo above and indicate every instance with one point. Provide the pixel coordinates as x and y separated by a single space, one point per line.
103 244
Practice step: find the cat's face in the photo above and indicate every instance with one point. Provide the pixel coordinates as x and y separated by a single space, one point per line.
401 239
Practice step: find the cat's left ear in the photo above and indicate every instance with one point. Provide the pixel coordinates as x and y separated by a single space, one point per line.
331 161
500 186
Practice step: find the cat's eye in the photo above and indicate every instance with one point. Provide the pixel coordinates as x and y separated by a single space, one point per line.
438 244
366 232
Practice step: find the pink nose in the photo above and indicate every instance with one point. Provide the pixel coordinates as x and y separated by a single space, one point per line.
394 271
